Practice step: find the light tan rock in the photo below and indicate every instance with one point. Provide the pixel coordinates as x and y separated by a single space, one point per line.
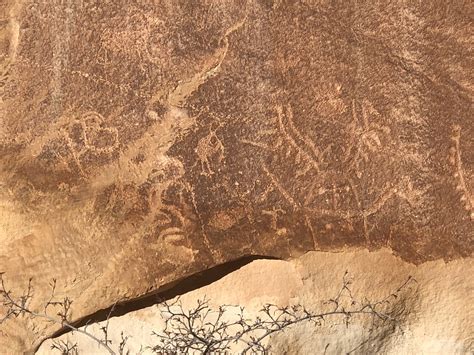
439 319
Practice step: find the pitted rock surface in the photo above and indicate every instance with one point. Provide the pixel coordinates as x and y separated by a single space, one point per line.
143 141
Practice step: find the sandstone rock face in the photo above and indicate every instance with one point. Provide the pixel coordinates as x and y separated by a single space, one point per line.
438 321
143 141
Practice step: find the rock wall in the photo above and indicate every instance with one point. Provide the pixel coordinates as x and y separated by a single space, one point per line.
144 141
439 320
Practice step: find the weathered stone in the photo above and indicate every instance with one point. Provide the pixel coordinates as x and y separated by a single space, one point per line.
436 321
143 141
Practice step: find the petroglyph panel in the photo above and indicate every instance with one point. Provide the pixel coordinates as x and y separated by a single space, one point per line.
144 141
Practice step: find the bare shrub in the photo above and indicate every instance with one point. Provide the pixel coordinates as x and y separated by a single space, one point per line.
204 330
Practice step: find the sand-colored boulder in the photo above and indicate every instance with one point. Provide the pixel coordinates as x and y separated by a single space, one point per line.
438 318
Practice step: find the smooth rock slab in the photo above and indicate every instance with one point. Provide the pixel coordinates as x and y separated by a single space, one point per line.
439 318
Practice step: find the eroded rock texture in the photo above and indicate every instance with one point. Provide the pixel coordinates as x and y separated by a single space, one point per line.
141 141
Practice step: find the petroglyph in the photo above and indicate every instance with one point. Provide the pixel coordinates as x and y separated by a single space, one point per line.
224 220
209 68
171 223
89 133
72 143
152 146
173 243
322 197
139 34
255 144
140 144
309 225
314 191
215 253
365 135
332 172
155 167
208 148
284 136
466 198
92 77
273 215
280 188
330 103
339 209
305 149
